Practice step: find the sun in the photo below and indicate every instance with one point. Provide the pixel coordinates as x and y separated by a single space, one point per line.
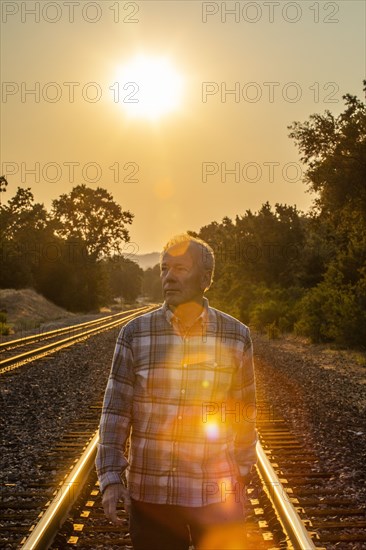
148 87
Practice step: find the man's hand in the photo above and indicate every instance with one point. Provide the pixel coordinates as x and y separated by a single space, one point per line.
244 481
111 496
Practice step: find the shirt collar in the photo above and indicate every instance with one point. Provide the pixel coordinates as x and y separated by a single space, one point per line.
171 318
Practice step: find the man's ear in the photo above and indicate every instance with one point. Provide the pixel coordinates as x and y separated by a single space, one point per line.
206 280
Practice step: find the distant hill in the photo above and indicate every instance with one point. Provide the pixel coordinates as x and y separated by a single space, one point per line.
147 260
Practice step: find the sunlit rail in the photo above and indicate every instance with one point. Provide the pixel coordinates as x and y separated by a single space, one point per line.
290 519
17 361
44 532
25 340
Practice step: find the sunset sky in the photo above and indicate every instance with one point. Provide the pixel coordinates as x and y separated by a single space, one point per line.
282 61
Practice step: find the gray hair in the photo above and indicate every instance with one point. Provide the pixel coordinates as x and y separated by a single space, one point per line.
207 254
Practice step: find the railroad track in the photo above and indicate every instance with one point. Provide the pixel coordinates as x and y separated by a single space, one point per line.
290 494
272 521
290 502
328 514
61 338
22 498
87 527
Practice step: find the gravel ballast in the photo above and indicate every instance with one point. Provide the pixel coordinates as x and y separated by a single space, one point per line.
320 392
40 400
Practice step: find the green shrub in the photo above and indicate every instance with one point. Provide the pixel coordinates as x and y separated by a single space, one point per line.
274 309
265 314
312 319
333 311
273 331
5 329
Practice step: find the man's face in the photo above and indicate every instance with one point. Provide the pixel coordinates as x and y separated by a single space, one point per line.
182 275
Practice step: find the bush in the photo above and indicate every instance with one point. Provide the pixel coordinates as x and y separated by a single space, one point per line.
5 329
273 331
312 320
333 311
265 314
274 310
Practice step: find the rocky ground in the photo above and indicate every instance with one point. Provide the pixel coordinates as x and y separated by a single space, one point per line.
321 392
39 401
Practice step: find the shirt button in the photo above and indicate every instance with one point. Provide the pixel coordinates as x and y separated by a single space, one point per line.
182 391
174 469
179 417
185 365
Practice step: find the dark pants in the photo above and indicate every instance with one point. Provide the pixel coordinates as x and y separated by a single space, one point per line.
165 527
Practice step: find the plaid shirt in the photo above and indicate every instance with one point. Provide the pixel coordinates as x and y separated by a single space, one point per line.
190 401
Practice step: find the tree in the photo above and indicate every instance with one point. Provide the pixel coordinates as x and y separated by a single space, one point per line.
271 243
3 185
26 230
22 215
125 278
334 151
151 285
92 218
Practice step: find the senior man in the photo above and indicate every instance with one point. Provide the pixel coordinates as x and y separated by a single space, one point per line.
182 391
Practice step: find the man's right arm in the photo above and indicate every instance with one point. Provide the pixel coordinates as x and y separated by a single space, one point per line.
115 423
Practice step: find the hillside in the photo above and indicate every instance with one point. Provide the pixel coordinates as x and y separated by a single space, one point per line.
25 309
147 260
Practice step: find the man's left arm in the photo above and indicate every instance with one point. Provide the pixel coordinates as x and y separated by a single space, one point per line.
245 430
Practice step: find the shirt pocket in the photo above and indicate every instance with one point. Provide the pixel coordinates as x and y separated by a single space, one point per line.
210 380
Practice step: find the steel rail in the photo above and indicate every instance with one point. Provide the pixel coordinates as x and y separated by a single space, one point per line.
5 364
291 521
46 529
49 334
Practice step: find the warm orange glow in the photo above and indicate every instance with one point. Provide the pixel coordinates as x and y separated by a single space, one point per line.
164 189
230 537
178 249
212 429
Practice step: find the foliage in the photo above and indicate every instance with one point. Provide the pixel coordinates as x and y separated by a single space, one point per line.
4 327
151 284
277 269
63 254
93 218
25 232
334 311
125 278
334 150
280 269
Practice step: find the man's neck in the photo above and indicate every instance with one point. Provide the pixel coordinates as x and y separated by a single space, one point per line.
187 313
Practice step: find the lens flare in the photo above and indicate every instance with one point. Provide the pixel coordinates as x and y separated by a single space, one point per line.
212 429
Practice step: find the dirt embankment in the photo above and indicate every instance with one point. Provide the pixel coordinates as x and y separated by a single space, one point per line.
27 310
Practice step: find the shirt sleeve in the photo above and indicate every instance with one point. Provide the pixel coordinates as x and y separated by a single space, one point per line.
244 392
115 422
